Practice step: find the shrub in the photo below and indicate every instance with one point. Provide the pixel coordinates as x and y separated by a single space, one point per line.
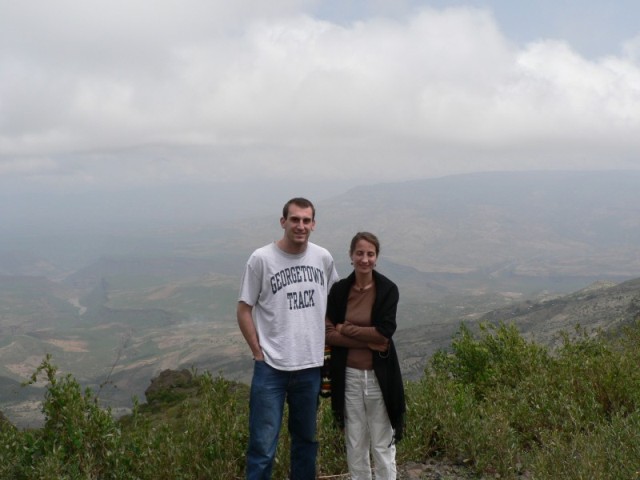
10 448
202 437
79 438
495 402
504 405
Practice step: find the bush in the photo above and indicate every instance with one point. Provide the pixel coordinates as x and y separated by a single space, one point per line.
495 402
202 437
79 439
504 405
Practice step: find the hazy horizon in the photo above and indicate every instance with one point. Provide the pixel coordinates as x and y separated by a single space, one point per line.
105 99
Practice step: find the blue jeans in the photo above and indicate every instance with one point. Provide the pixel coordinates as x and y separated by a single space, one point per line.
269 389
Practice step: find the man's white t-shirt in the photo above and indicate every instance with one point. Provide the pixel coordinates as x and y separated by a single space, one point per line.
288 294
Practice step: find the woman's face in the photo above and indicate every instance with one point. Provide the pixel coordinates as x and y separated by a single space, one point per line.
364 256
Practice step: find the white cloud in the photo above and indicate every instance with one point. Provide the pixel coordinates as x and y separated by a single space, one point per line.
631 50
165 91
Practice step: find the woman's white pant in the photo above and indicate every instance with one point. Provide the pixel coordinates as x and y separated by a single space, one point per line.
367 428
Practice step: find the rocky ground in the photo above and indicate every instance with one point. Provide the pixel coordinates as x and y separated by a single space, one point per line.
435 470
431 470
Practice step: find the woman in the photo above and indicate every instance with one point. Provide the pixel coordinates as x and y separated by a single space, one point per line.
367 393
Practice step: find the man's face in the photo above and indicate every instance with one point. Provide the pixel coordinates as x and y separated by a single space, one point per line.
298 225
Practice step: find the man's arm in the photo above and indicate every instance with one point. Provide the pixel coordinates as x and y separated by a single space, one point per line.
248 329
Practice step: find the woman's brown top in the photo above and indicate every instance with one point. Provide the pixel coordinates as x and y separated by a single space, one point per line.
357 331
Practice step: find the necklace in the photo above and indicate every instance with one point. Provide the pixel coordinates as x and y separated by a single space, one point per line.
366 287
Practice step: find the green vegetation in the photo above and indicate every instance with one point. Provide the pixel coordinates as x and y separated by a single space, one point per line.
504 406
507 406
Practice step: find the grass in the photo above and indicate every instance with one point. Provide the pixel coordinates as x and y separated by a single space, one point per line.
503 406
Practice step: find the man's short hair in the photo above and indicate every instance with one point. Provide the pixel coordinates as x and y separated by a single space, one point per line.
300 202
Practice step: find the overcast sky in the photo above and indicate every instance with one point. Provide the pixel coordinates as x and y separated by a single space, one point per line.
103 94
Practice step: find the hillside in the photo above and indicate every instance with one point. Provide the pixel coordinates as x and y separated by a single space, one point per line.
603 307
115 308
496 406
500 225
31 302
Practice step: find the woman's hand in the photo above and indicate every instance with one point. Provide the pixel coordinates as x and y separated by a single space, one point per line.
379 347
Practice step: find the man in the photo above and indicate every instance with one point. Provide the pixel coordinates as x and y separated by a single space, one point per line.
281 311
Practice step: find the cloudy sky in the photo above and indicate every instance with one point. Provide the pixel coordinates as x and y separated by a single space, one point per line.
104 94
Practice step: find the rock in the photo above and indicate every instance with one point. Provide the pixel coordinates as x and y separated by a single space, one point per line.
169 386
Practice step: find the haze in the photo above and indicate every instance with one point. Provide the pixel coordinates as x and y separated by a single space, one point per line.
117 112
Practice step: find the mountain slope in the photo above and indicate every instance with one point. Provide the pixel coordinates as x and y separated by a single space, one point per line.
600 308
501 224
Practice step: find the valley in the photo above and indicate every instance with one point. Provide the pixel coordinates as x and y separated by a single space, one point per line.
521 248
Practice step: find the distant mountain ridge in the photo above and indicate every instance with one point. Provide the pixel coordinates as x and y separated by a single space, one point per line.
507 223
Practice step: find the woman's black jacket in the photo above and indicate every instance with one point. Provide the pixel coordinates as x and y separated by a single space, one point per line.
385 365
